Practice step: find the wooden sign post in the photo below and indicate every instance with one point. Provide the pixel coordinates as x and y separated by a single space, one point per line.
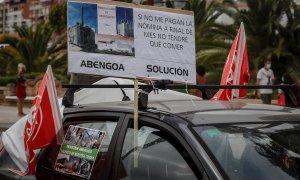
135 123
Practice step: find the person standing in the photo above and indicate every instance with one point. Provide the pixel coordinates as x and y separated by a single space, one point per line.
265 76
21 88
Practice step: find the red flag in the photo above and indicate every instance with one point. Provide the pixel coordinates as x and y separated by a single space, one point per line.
44 120
281 99
236 69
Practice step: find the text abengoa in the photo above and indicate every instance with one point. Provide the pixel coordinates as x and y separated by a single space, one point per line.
120 39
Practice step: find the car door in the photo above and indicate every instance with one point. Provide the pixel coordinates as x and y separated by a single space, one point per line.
78 133
159 152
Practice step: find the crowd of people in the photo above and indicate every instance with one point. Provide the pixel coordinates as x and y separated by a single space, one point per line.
265 76
84 137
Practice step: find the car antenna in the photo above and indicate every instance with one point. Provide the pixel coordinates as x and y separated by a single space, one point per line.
125 97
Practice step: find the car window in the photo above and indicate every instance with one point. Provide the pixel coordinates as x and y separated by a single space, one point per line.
158 156
88 136
255 151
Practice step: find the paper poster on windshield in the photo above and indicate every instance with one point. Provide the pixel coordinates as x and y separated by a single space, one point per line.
79 151
111 40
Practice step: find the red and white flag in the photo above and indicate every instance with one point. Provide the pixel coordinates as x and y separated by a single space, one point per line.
44 120
236 69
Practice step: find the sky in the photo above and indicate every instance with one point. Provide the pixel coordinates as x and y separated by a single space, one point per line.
89 14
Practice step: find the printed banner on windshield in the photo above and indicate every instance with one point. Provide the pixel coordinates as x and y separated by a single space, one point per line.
111 40
79 151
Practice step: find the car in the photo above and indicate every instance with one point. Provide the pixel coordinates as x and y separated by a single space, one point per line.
176 139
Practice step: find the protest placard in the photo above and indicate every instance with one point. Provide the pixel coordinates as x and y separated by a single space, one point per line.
79 151
125 40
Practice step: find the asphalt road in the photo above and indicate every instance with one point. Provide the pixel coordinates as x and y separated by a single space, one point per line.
9 115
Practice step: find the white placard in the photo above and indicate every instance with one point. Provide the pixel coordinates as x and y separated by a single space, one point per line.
130 42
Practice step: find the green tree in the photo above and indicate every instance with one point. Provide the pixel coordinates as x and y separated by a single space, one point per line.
272 28
289 36
212 39
262 19
7 64
58 18
35 48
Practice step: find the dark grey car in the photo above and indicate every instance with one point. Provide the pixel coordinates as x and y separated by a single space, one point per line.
184 140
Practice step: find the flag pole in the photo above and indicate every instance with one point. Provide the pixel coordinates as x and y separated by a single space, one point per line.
135 124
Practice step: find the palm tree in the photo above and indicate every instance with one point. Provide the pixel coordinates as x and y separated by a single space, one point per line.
7 65
35 48
213 40
272 27
205 16
267 35
58 18
261 21
289 34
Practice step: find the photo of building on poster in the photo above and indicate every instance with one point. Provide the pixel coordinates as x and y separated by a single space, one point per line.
99 28
79 151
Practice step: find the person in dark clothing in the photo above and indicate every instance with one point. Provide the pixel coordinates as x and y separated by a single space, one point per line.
291 99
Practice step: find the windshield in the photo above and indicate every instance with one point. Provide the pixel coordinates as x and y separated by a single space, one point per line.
255 151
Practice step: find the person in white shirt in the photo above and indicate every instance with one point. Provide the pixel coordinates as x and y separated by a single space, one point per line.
265 76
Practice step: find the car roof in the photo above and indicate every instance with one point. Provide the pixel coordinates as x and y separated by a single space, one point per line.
199 112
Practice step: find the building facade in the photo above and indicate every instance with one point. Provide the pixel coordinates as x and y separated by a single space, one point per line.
124 28
23 12
14 16
3 12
